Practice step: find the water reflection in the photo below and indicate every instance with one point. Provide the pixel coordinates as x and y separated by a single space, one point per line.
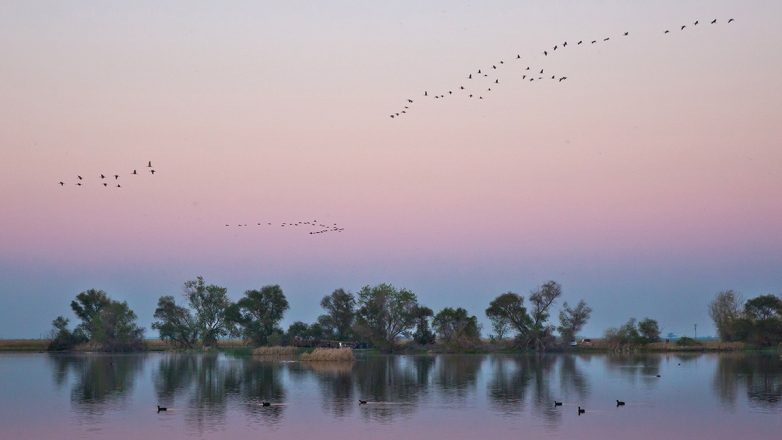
760 377
205 390
99 379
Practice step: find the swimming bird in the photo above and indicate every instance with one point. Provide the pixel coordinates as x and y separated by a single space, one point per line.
581 410
266 403
557 403
161 408
149 165
362 402
714 21
620 403
658 375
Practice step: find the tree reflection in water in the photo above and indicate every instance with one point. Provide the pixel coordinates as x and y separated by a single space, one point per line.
635 366
101 381
760 376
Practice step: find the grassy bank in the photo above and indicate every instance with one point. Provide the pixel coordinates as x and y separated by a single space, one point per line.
24 344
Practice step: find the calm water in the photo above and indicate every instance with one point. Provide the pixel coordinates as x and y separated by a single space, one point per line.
723 396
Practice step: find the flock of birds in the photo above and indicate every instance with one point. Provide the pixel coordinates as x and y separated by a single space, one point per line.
105 179
477 90
322 228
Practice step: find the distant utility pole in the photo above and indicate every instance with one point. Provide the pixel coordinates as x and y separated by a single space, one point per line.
696 330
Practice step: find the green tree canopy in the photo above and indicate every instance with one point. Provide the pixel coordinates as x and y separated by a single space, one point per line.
456 328
423 335
725 310
259 313
340 314
649 331
115 329
385 314
175 323
87 306
210 304
572 320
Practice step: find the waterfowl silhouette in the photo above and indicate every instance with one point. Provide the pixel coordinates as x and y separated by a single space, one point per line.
620 403
545 53
730 20
626 33
116 176
62 183
105 184
714 21
161 408
149 165
581 410
580 41
659 375
682 28
102 176
362 402
134 172
79 177
557 403
266 403
696 23
666 31
152 171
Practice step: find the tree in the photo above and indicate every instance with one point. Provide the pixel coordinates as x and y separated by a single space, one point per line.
649 331
509 309
541 334
259 312
624 335
340 313
115 329
87 306
385 314
455 328
423 335
724 310
297 330
175 323
62 338
501 325
210 304
572 320
763 307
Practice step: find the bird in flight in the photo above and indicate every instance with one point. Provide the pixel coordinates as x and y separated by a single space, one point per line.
682 28
134 172
714 21
696 23
545 53
152 171
62 183
580 41
116 176
666 31
149 165
79 177
105 184
626 33
731 20
102 176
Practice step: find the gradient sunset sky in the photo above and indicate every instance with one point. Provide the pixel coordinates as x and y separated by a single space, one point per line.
645 183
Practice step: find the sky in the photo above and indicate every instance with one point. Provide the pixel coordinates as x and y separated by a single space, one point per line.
645 183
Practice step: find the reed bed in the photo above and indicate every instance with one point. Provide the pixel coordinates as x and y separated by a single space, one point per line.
275 351
328 355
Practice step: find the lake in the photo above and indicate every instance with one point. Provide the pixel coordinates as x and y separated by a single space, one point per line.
96 396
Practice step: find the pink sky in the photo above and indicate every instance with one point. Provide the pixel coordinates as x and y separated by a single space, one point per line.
654 171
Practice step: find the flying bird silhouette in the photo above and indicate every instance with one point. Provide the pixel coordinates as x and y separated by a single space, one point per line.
714 21
731 20
149 165
62 183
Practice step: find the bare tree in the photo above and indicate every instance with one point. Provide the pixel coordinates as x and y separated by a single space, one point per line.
724 310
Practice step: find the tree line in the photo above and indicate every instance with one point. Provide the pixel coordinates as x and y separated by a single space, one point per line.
380 316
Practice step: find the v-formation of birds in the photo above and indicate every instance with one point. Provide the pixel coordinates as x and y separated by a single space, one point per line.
107 180
527 72
314 226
